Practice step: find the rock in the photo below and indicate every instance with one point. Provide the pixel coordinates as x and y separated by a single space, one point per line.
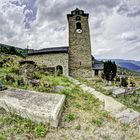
36 106
59 88
129 116
35 82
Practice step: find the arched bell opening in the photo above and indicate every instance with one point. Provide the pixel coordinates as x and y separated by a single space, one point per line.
78 25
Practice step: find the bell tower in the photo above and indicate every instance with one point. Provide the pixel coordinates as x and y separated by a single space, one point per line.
80 60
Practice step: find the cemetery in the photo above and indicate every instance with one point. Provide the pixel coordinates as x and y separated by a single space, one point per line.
26 96
64 93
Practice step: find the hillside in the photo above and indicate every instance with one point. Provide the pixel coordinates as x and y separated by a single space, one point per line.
129 64
7 49
83 117
127 72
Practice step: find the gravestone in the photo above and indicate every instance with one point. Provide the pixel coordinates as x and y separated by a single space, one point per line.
36 106
59 88
116 91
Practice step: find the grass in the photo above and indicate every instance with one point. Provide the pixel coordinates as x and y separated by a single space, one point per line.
81 111
131 101
97 121
12 126
76 99
70 117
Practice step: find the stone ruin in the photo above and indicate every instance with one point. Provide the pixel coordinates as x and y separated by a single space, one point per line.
27 69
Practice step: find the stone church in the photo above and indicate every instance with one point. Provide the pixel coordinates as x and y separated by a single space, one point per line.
76 59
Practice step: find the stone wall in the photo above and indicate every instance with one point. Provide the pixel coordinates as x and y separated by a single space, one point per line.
99 73
52 60
80 62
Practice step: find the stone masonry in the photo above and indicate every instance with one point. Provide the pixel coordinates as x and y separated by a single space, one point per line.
76 61
52 60
80 63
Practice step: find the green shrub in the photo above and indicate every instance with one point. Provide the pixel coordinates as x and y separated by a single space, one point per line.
37 75
15 70
124 82
2 137
118 79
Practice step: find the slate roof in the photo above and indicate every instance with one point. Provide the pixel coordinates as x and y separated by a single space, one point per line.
97 65
50 50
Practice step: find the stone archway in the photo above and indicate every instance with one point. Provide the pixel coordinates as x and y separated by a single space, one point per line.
59 70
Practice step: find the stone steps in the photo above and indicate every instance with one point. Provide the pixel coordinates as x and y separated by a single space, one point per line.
116 109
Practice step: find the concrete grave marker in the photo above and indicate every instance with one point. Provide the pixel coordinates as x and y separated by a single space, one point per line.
39 107
116 91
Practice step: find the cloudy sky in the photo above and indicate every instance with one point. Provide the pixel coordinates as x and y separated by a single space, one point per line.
114 25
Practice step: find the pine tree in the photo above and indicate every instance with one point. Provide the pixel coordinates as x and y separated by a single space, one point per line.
110 70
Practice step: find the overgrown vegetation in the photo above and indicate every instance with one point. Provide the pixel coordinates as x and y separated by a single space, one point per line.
131 101
76 100
126 72
82 111
12 126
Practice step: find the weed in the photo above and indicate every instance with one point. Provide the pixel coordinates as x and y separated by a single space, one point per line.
70 117
97 121
78 127
40 130
2 137
105 114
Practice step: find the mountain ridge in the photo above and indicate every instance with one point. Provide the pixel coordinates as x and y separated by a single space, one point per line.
129 64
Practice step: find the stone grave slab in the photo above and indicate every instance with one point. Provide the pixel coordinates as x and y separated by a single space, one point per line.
116 91
129 116
36 106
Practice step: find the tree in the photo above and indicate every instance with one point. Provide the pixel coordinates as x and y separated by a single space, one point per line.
124 82
12 50
110 70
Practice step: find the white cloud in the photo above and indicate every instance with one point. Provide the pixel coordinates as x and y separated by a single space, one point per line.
114 25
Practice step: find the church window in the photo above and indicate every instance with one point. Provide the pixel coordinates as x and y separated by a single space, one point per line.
96 72
78 25
78 18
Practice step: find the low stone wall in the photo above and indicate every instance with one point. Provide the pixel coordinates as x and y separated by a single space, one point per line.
52 60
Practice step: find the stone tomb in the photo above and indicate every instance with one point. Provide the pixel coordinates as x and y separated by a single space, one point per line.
38 107
116 91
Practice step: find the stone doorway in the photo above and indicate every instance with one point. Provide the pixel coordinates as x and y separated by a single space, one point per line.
59 70
96 72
